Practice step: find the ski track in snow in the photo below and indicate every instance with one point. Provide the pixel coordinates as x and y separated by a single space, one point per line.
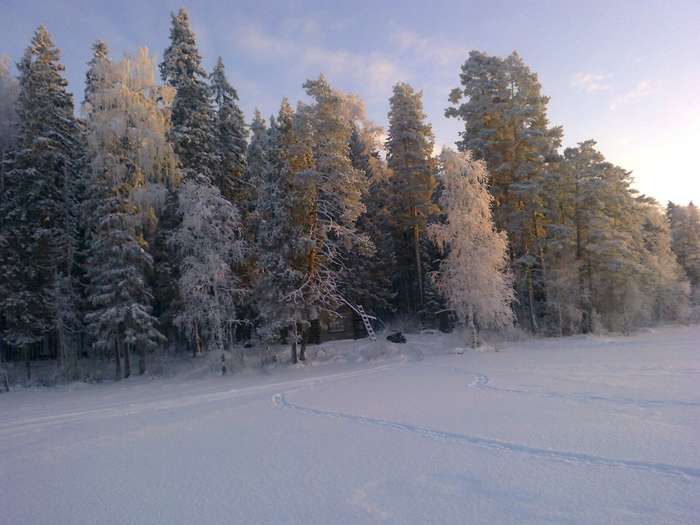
483 382
24 426
576 458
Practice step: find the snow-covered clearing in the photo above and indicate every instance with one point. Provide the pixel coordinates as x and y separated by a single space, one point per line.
578 430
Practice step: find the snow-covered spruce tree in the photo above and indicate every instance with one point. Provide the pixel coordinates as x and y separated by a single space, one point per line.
271 167
209 243
328 205
192 132
38 203
100 53
474 274
131 163
369 275
505 118
257 168
310 204
232 181
203 249
9 90
409 148
100 57
232 136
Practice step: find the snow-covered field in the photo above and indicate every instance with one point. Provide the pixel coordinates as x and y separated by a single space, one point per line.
579 430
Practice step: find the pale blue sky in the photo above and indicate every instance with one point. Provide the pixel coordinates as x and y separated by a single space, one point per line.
625 73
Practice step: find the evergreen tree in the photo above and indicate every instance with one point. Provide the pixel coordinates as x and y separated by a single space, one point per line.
369 274
310 204
194 138
100 57
608 253
685 230
232 136
666 286
38 204
506 125
9 90
193 132
474 274
199 134
409 148
270 165
257 166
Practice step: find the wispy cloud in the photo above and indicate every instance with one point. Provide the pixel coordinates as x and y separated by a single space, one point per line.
641 90
589 82
376 69
429 49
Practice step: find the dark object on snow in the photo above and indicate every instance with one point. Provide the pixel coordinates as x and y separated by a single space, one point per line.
248 344
396 337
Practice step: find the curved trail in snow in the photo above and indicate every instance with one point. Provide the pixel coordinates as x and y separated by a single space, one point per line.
575 458
28 425
483 382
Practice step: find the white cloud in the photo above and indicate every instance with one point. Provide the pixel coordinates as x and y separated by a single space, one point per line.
375 69
641 90
589 82
429 49
258 42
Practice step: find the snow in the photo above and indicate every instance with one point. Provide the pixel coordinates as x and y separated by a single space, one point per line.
576 430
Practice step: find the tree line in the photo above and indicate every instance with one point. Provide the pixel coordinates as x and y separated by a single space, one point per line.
159 217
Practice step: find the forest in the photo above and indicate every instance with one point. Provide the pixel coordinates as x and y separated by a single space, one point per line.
152 216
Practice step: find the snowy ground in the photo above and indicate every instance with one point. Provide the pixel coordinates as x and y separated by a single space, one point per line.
578 430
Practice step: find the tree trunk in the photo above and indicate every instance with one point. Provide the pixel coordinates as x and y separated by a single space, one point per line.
531 301
302 353
142 360
295 360
241 348
197 341
474 332
561 321
28 362
117 361
5 380
127 361
419 269
589 300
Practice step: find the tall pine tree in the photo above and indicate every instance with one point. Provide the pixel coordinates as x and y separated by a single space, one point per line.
409 147
506 125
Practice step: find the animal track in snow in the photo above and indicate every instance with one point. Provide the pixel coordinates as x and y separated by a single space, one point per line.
483 382
576 458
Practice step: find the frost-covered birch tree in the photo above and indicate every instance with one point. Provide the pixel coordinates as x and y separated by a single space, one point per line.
473 275
131 163
209 244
